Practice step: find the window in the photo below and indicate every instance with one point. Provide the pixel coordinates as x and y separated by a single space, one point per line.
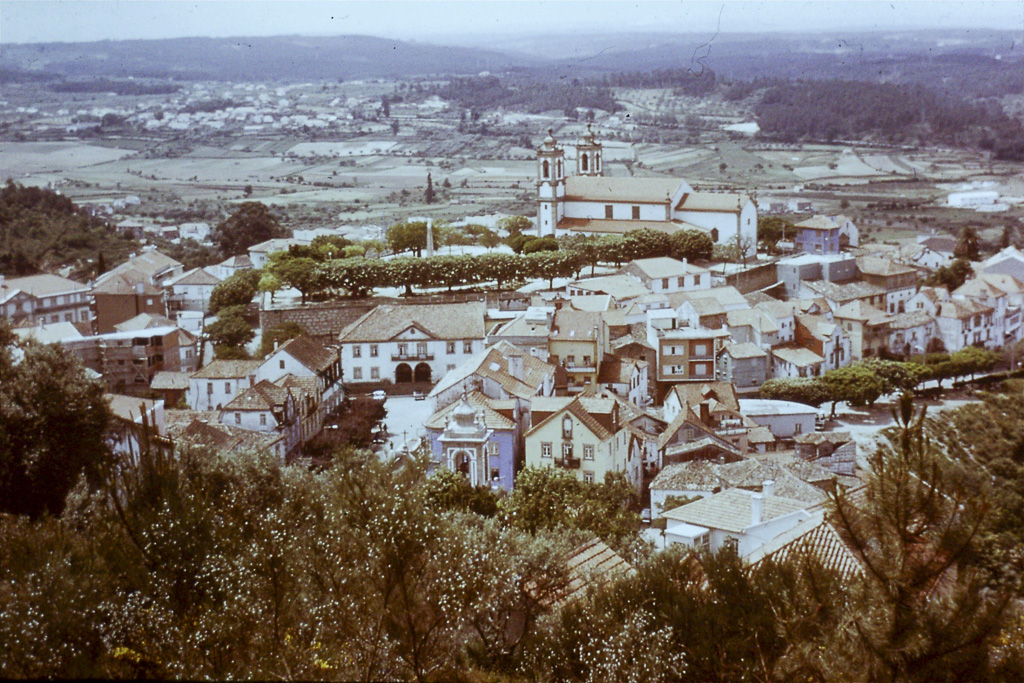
467 347
280 364
731 543
545 450
495 474
636 213
421 349
700 349
588 452
357 373
588 477
357 351
403 349
451 366
450 348
570 360
374 350
664 283
700 369
263 419
608 211
227 387
679 282
238 418
209 387
567 449
798 428
374 373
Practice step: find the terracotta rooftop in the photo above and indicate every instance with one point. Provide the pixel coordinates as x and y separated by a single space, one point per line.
713 201
41 285
463 321
638 190
310 353
730 510
228 369
492 418
663 266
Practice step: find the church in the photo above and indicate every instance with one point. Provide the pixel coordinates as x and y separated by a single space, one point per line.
592 204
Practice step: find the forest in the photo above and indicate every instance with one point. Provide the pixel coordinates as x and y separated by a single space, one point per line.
523 94
203 565
41 230
888 113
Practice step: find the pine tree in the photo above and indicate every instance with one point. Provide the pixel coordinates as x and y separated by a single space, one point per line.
428 196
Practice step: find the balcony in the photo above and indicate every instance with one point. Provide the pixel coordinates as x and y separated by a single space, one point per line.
580 368
568 463
414 356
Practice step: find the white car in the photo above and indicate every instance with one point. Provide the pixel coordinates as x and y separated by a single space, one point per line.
379 395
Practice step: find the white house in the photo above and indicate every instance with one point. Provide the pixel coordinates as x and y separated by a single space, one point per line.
784 418
304 356
266 407
217 384
191 291
665 275
413 343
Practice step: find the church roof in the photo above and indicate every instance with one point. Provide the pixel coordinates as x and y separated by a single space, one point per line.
635 190
717 202
492 418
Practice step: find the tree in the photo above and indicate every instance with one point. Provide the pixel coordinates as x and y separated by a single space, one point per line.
53 423
923 611
807 390
968 245
269 283
407 272
971 360
691 245
229 329
771 229
645 243
301 273
951 276
428 194
357 276
502 268
277 335
540 244
855 384
515 225
249 225
410 236
236 290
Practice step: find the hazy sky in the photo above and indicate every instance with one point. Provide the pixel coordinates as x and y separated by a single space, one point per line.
27 21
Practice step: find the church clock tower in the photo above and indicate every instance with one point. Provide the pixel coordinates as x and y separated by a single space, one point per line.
550 185
589 156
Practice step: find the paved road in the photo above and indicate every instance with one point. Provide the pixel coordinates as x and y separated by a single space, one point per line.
405 420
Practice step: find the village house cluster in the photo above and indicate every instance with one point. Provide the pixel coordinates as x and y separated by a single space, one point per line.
651 369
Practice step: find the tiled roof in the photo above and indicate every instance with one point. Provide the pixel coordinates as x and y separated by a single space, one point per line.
300 385
620 227
228 369
196 276
640 190
575 325
846 291
590 566
43 285
1006 283
979 287
663 266
909 319
755 298
225 438
961 308
591 302
818 223
177 421
876 265
169 380
713 201
263 395
615 370
862 311
696 475
493 363
127 281
129 408
618 286
760 434
723 393
745 350
239 262
520 326
797 355
819 326
144 321
730 510
492 418
751 317
276 244
813 537
579 412
725 296
310 353
441 321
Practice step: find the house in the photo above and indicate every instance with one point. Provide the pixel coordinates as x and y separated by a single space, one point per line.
785 419
260 253
44 298
753 326
121 297
666 275
528 331
816 538
586 436
1009 261
866 326
625 377
795 270
898 281
744 365
217 384
623 289
849 234
684 354
577 345
266 407
713 405
824 337
479 437
736 518
410 343
199 232
781 315
590 203
840 293
911 333
232 265
191 291
834 451
500 372
304 356
208 431
817 235
795 361
173 386
965 322
684 480
136 424
708 308
984 291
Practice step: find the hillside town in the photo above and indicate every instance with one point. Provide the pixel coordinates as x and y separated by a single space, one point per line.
681 375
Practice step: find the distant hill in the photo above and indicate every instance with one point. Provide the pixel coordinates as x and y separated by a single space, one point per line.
288 58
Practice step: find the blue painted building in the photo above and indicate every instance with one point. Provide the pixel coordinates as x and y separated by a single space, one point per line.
817 235
479 437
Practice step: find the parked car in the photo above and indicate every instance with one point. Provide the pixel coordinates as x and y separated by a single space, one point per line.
380 395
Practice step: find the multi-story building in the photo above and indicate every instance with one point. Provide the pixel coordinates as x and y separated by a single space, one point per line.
825 338
743 364
305 357
191 291
898 281
217 384
910 333
586 436
133 287
866 326
817 235
266 407
44 299
666 275
414 343
684 354
479 437
709 307
577 344
984 290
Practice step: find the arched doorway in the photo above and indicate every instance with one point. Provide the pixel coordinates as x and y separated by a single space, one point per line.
462 463
403 373
422 372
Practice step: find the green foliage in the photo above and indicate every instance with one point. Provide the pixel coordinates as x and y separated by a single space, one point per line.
951 276
410 236
553 498
449 491
300 272
428 194
356 276
230 329
42 230
807 390
237 290
968 244
771 229
515 225
53 422
856 384
250 224
692 245
540 244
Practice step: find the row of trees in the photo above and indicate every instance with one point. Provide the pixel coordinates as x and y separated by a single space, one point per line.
862 383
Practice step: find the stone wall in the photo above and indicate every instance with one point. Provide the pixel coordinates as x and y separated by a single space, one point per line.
753 279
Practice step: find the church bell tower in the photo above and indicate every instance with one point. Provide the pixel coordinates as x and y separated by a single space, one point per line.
589 156
550 185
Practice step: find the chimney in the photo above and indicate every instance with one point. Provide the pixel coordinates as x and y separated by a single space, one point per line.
705 413
515 365
768 488
684 263
756 508
138 288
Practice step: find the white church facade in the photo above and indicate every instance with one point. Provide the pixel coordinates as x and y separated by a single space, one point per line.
590 203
